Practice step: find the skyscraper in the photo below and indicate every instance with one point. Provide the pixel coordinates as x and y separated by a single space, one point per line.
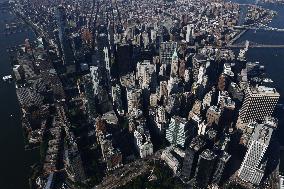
259 102
220 166
177 133
197 61
64 40
254 163
166 52
174 65
191 158
205 168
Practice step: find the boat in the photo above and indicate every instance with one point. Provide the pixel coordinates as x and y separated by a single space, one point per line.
268 80
7 78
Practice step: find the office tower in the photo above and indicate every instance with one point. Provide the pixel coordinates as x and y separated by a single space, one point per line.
170 159
107 60
133 99
198 60
254 163
163 91
18 71
213 115
187 75
65 42
160 119
178 132
220 166
205 168
188 33
181 69
259 102
189 37
123 56
196 109
113 158
166 52
191 158
174 65
117 99
95 78
143 143
222 83
145 72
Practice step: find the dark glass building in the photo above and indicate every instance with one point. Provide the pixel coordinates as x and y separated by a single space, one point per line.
64 40
205 168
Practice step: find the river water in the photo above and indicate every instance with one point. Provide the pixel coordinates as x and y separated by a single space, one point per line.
15 162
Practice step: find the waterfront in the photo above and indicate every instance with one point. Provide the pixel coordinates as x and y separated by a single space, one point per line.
271 58
15 162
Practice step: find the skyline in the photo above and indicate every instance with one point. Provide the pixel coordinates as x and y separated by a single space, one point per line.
140 89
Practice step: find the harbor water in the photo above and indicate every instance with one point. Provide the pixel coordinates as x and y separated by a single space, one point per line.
15 162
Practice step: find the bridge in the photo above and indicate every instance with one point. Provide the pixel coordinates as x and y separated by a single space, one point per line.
263 27
255 45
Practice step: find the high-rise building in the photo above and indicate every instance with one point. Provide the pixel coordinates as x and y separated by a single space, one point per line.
174 65
163 90
220 166
160 119
189 31
170 159
254 163
123 56
178 131
259 103
205 168
143 143
64 40
191 158
95 78
222 83
133 99
213 115
166 52
197 61
145 73
117 99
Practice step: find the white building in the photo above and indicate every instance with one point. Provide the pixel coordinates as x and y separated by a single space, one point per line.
106 59
174 65
259 103
170 160
160 118
144 73
17 72
254 163
95 78
143 143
